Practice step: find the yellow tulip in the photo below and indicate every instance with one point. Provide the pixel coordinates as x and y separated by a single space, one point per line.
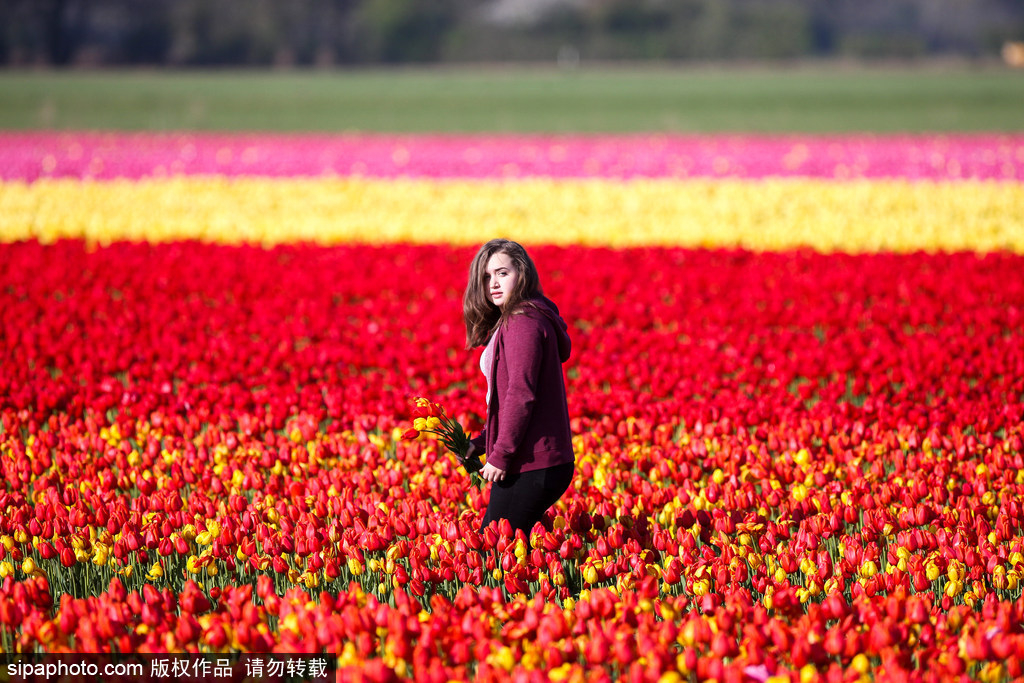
766 214
502 658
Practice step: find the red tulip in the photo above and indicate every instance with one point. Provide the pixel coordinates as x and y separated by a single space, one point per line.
917 611
192 599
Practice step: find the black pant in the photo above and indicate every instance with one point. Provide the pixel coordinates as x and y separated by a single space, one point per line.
523 498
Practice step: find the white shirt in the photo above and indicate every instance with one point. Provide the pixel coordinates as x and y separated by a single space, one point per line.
486 362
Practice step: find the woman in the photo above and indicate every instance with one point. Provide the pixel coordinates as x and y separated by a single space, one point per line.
526 437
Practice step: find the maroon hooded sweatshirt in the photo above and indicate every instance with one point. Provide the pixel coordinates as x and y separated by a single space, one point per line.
527 424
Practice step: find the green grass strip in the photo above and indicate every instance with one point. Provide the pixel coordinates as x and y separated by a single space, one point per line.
806 99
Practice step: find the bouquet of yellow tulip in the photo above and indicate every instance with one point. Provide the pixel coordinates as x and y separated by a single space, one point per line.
430 418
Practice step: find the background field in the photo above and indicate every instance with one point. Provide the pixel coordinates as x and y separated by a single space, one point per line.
809 99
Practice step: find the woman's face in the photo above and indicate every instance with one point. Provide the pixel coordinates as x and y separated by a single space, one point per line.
500 278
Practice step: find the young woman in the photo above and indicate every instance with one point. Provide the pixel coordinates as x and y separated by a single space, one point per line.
526 437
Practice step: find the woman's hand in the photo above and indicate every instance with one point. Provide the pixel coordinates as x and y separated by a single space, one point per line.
470 461
491 473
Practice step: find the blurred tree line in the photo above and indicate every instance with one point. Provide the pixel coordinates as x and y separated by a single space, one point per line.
328 32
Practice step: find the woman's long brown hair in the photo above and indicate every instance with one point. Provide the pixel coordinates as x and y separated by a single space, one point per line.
482 316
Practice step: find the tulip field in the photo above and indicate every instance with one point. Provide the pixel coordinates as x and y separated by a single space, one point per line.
796 392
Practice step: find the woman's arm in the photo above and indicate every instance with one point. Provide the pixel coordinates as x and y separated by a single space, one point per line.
478 445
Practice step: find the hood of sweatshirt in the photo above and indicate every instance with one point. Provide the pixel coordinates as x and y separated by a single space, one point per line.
549 309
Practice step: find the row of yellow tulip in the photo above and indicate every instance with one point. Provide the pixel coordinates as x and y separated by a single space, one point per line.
771 214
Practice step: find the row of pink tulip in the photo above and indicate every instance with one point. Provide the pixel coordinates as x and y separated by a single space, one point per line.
33 155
